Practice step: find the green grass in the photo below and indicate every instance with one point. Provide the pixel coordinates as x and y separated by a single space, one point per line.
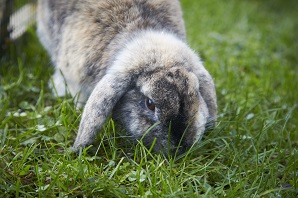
251 49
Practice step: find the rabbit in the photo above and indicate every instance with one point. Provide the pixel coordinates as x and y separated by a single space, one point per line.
129 59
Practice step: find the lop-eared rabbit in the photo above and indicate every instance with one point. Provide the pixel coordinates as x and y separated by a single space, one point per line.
129 59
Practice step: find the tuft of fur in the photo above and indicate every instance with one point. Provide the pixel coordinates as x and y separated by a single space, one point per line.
115 54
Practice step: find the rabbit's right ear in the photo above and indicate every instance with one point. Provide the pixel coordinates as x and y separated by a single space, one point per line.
103 98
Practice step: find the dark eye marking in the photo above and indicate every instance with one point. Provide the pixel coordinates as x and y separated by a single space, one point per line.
149 104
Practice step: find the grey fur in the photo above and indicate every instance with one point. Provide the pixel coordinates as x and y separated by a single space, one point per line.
114 54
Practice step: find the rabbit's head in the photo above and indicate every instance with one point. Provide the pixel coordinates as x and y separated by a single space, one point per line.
168 98
158 90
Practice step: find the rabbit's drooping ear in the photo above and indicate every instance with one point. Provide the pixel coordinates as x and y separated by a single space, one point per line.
102 100
207 90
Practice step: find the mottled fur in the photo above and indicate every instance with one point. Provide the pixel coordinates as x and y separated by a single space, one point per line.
115 54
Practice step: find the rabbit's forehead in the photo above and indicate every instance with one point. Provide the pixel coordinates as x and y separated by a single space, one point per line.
170 90
171 81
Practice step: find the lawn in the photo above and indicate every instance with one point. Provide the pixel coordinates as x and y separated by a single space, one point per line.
251 49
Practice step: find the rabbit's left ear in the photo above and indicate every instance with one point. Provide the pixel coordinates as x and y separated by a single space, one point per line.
102 100
208 93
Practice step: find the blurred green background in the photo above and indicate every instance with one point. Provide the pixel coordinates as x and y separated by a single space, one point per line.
250 47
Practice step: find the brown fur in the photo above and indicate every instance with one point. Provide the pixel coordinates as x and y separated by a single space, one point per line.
116 53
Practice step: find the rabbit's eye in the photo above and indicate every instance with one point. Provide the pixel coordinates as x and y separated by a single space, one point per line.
150 104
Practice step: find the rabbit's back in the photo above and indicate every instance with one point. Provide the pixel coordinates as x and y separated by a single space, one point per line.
83 36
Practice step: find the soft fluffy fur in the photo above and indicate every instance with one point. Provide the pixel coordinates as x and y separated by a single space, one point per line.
116 53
